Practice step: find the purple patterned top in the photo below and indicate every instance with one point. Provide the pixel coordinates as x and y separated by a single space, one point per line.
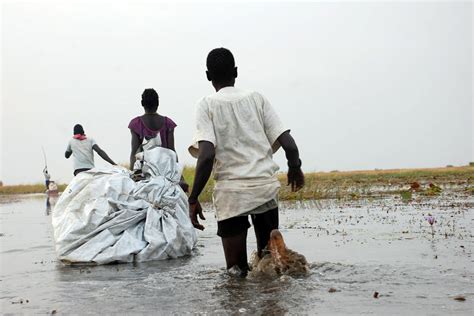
138 126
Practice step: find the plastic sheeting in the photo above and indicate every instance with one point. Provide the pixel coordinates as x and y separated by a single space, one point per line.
104 216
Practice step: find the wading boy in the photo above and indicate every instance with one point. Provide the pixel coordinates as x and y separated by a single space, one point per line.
237 132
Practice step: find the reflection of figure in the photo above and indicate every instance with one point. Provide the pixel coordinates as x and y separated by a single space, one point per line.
82 149
47 177
50 202
48 205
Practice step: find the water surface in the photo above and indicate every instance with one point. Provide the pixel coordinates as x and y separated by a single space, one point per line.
355 248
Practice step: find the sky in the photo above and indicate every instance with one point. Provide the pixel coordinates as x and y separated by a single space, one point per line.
361 85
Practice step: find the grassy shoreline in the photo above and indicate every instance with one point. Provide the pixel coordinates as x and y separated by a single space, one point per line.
373 183
335 184
27 188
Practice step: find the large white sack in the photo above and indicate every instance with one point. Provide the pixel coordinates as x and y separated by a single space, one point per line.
104 216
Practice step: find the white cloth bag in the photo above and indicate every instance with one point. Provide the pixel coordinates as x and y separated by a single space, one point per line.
104 216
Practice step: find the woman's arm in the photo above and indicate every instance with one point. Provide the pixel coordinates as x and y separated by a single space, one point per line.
136 142
170 139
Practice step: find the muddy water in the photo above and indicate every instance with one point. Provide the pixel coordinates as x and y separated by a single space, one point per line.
355 248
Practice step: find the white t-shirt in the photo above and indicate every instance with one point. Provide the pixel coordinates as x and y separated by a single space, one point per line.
244 128
46 175
82 153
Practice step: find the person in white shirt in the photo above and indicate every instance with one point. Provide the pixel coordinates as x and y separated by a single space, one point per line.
82 149
47 177
237 132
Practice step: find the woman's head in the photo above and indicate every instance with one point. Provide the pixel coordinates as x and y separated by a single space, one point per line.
78 129
150 100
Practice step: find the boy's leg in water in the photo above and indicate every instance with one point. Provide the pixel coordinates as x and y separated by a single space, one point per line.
233 232
235 251
263 224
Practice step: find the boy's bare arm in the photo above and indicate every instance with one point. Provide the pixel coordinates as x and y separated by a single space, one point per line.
204 166
295 174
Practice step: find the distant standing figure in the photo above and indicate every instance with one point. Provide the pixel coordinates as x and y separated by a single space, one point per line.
47 177
82 149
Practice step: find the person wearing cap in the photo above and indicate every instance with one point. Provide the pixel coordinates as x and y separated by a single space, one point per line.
237 132
82 149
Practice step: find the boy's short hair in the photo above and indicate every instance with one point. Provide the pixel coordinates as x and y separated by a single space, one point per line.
150 99
78 129
220 64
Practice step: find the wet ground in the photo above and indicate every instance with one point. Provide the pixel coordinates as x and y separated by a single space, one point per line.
355 248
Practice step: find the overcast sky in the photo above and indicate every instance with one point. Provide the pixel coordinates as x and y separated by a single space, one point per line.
361 85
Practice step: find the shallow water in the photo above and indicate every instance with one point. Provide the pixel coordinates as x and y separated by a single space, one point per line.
355 248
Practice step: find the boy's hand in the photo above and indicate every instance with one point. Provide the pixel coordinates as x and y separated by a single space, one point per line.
295 178
195 209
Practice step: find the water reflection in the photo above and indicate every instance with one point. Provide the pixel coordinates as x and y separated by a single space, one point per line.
50 203
259 295
48 206
392 253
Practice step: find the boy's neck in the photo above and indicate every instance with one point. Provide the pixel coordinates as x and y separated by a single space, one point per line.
220 85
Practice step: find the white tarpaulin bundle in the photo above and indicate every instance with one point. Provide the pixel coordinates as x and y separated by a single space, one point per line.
104 216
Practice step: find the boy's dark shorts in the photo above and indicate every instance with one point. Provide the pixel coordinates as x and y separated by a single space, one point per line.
236 225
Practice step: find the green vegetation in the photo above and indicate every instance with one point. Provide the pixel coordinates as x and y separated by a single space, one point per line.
406 196
356 184
340 184
27 188
206 195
